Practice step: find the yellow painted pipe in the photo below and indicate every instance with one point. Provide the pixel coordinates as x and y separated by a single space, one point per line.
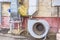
22 10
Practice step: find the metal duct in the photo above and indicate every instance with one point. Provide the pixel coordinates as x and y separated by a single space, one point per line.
14 9
0 12
38 29
33 4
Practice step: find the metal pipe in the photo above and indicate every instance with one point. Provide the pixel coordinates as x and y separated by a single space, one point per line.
0 12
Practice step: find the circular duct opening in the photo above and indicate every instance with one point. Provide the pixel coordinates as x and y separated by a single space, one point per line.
38 28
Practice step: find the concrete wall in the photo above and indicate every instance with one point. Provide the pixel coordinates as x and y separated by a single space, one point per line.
5 14
45 8
5 7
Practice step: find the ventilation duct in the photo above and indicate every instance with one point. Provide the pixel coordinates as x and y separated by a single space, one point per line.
33 4
14 9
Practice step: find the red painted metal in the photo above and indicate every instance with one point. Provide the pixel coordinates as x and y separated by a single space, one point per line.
5 21
54 22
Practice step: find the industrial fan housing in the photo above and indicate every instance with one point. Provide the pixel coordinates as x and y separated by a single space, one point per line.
38 28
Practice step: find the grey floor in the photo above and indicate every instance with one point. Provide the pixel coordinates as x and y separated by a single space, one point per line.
5 36
11 38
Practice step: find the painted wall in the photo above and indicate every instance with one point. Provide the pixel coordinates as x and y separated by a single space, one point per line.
46 9
5 15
